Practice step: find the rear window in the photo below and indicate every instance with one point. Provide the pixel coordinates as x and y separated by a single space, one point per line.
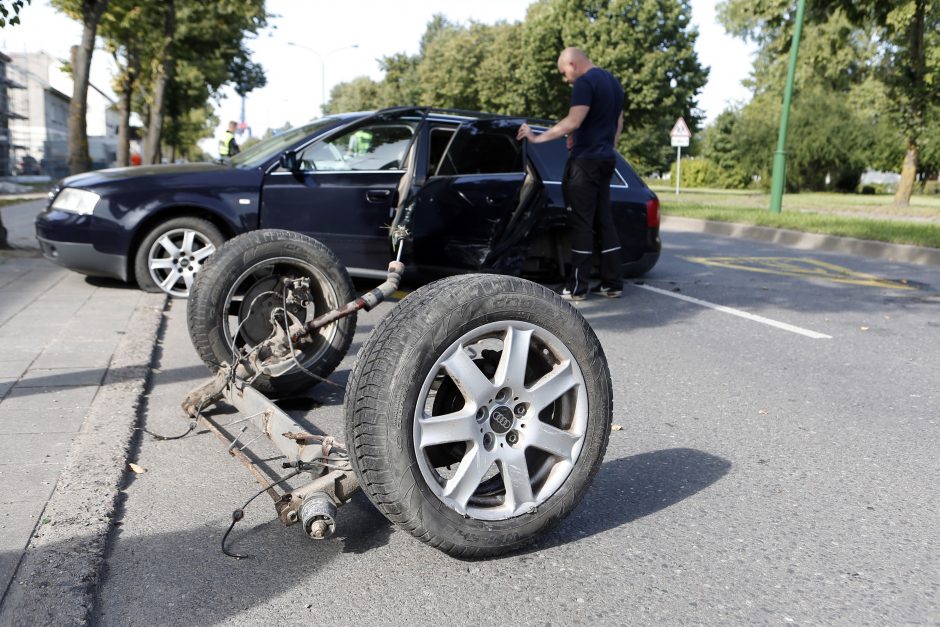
479 150
552 156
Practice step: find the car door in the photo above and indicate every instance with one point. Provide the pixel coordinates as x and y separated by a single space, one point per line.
343 189
464 210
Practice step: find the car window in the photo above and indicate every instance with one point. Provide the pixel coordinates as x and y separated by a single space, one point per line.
552 157
268 148
482 148
371 147
440 139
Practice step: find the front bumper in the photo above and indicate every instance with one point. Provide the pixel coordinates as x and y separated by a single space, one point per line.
84 258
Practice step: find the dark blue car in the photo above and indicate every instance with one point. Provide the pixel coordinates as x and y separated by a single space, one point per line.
478 200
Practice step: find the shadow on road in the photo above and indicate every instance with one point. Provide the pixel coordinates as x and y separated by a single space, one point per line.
633 487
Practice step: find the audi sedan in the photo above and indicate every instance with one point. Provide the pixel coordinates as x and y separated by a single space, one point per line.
476 199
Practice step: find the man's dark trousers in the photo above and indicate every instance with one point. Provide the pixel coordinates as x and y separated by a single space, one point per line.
586 188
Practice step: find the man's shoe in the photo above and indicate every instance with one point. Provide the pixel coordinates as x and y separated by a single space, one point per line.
566 294
607 292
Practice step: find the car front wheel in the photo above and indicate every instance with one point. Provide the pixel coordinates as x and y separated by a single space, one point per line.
173 252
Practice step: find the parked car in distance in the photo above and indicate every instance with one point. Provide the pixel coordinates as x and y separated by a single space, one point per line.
477 201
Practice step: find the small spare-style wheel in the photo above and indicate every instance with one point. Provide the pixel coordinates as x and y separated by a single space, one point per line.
478 413
231 301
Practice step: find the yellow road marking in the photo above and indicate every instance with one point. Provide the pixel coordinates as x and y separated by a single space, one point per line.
801 268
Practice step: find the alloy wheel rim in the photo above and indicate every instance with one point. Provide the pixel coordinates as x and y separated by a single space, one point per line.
501 420
176 257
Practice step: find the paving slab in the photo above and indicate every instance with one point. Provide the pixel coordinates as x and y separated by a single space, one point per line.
57 377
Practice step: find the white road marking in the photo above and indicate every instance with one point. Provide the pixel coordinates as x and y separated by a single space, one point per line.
739 313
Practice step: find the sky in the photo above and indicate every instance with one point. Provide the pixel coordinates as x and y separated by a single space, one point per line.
347 38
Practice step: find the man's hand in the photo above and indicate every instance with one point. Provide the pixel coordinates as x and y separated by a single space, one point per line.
569 141
525 132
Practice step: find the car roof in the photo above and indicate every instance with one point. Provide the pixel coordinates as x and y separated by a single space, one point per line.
443 114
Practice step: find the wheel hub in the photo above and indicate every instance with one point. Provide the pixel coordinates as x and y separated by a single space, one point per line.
501 420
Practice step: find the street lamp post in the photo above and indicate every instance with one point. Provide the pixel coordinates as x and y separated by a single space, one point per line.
322 58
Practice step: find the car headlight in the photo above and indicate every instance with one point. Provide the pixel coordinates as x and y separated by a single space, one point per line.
78 201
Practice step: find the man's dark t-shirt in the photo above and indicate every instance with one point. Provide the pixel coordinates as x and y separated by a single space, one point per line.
601 91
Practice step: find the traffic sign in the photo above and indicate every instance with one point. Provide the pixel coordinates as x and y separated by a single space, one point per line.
680 129
680 134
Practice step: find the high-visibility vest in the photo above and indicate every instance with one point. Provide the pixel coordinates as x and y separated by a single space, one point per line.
360 142
228 147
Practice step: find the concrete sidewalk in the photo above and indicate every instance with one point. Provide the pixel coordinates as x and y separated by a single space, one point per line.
74 358
61 337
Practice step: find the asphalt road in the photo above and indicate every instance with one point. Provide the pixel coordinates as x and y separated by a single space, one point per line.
764 473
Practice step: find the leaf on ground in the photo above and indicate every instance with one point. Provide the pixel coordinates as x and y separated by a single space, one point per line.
137 469
616 427
863 328
762 412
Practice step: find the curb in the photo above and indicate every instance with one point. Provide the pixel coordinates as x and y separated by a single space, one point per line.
807 241
58 575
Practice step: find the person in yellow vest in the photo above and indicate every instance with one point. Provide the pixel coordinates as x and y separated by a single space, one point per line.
228 147
359 143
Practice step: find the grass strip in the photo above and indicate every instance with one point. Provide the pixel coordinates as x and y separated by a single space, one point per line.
894 231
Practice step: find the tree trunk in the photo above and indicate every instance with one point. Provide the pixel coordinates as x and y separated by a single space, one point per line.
155 130
79 161
902 198
124 125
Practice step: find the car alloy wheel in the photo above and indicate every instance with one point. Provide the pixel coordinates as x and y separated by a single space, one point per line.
176 257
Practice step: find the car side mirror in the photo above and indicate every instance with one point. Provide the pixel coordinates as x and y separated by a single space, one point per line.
289 161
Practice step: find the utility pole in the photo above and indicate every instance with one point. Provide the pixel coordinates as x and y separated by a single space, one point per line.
780 157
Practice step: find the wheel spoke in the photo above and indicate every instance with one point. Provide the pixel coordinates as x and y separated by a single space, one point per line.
472 383
167 244
203 252
188 280
511 369
552 440
161 264
516 478
550 387
170 280
187 246
456 427
469 474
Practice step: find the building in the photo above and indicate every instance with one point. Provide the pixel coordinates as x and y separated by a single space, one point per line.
40 135
7 163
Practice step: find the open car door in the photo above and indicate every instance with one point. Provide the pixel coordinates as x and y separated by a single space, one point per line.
475 211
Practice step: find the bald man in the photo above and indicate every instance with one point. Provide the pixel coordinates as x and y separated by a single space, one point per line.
592 126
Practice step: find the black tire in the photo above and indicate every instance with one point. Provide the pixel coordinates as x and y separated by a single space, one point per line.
407 367
178 270
230 294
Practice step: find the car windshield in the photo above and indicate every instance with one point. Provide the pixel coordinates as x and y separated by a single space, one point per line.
264 150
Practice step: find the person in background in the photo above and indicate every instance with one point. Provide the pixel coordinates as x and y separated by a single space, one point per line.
592 127
228 147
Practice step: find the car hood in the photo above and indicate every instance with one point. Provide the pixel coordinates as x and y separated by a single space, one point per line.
112 175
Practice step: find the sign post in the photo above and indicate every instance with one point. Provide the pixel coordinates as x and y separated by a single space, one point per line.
680 135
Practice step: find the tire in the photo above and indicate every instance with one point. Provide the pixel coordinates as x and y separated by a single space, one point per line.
173 253
229 295
437 483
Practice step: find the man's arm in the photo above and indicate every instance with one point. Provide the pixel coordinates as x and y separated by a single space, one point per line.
569 124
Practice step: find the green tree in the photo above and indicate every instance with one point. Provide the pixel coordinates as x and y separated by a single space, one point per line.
89 13
359 94
449 70
14 7
720 146
400 86
850 43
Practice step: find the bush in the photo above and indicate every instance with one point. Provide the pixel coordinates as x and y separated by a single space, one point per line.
696 172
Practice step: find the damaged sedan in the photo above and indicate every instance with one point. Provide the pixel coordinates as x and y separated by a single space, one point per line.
476 200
